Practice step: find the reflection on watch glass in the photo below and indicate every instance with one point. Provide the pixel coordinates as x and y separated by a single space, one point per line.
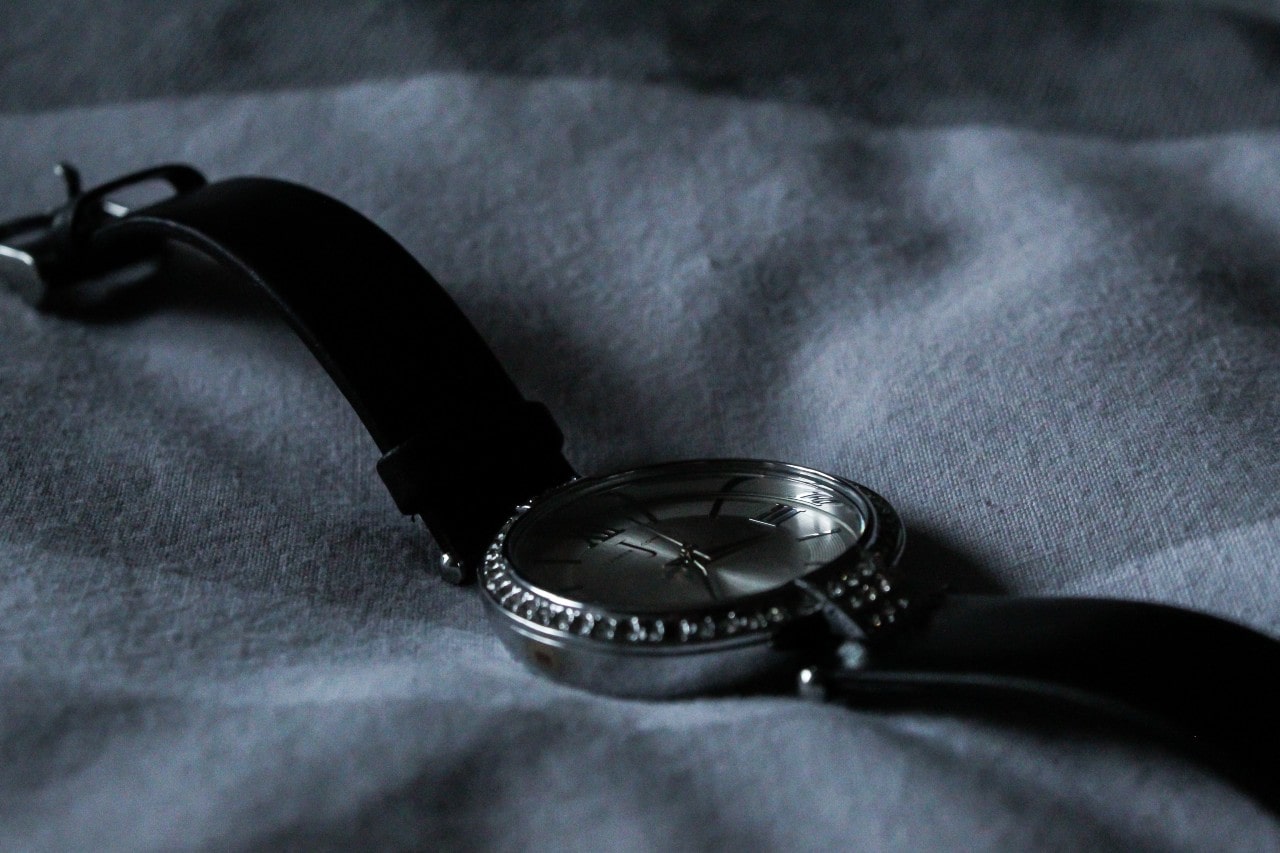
667 540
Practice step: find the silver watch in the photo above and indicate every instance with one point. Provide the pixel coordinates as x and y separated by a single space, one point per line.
684 578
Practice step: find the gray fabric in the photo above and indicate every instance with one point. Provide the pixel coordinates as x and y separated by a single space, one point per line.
1015 269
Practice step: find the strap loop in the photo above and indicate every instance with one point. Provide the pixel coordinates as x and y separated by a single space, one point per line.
457 496
414 469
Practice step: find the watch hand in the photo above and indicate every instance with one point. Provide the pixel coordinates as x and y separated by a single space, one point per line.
692 559
706 578
713 554
647 529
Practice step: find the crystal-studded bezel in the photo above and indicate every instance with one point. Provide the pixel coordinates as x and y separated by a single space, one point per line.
747 619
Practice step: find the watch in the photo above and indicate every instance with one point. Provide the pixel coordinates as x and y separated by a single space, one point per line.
682 578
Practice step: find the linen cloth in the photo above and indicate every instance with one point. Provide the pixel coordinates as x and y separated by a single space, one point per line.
1012 265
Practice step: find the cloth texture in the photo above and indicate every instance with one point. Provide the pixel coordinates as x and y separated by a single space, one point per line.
1014 266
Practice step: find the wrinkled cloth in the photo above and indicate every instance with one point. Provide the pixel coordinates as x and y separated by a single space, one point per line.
1014 268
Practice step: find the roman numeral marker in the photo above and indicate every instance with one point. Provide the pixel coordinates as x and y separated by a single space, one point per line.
778 514
598 537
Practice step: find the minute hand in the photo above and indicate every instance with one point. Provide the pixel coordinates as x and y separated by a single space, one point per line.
680 546
728 548
647 529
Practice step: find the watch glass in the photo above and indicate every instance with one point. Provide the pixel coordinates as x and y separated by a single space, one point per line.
685 535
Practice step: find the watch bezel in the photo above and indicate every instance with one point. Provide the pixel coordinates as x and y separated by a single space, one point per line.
538 613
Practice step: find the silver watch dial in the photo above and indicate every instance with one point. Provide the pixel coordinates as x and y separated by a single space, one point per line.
687 537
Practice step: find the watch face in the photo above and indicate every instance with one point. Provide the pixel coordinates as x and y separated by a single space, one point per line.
681 578
686 536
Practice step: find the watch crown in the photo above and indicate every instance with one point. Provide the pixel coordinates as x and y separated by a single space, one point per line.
454 570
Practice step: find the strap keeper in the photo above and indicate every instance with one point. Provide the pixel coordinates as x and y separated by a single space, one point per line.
415 470
465 476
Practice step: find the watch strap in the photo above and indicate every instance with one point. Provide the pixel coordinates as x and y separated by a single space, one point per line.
461 447
1189 678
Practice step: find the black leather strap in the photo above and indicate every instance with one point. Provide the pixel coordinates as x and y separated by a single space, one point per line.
461 446
1202 682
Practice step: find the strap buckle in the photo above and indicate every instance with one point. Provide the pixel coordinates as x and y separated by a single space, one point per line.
45 253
